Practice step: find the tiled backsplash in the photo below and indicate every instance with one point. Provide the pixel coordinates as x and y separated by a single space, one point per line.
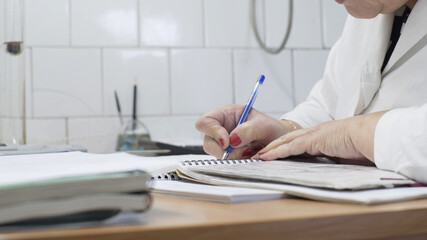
187 56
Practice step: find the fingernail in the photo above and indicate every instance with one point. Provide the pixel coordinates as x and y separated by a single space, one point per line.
247 153
222 142
261 153
235 140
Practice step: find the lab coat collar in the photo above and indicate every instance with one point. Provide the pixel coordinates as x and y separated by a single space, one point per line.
415 28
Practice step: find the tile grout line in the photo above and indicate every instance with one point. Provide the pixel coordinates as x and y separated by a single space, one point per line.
293 91
5 19
67 131
203 24
32 81
138 24
169 62
102 81
164 47
322 26
70 24
264 17
233 77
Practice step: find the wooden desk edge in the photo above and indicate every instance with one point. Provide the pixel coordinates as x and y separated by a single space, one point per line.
375 222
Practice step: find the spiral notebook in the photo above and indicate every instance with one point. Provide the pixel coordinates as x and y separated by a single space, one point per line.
318 180
165 181
318 173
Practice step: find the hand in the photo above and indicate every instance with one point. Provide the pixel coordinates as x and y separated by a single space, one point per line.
246 139
351 138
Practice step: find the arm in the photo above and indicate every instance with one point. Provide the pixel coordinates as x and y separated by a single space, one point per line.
395 140
401 142
350 138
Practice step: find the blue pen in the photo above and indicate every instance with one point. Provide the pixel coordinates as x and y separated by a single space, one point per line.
246 111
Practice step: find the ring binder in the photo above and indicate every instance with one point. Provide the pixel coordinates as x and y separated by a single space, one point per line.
165 176
174 177
217 161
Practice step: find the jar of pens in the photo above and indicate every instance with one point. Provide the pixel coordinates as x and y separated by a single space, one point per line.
135 136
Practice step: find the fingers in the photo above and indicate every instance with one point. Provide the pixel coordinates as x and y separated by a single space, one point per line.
285 139
294 143
296 147
261 128
212 128
212 147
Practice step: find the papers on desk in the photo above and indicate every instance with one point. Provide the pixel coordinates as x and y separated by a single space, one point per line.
67 186
317 181
247 181
310 174
214 193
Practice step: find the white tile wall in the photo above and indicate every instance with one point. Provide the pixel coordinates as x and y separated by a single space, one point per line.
171 23
227 23
306 26
96 134
2 80
189 56
12 131
12 85
309 66
46 131
178 129
201 80
2 21
28 82
104 22
149 67
334 17
276 92
47 22
67 82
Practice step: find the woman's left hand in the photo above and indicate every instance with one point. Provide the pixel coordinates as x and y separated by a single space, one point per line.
351 138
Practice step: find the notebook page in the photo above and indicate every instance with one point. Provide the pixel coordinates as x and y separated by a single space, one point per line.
214 193
370 196
27 168
334 176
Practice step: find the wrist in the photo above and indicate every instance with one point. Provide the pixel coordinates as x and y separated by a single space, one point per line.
362 132
289 125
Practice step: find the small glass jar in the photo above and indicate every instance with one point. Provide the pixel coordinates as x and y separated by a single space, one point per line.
134 137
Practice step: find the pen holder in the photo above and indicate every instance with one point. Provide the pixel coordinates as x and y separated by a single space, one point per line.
135 137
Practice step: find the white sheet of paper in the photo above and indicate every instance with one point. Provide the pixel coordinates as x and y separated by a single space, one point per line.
214 193
35 167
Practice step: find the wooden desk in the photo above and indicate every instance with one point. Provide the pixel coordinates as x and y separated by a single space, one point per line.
176 218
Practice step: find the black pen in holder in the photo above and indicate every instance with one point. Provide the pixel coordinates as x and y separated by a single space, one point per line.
135 135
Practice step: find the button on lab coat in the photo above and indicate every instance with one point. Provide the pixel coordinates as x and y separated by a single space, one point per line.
353 84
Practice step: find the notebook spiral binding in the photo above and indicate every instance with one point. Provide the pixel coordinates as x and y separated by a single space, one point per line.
217 161
165 176
174 177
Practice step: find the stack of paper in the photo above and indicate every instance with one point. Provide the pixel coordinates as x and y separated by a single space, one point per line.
66 186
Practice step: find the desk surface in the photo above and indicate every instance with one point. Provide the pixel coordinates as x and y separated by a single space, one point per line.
177 218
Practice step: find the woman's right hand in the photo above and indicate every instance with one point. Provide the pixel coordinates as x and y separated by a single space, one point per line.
219 127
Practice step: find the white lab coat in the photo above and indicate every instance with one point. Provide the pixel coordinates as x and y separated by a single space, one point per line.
353 84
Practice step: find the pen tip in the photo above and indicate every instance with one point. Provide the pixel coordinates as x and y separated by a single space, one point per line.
261 79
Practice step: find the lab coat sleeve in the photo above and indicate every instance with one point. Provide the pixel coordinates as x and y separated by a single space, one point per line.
400 142
314 110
